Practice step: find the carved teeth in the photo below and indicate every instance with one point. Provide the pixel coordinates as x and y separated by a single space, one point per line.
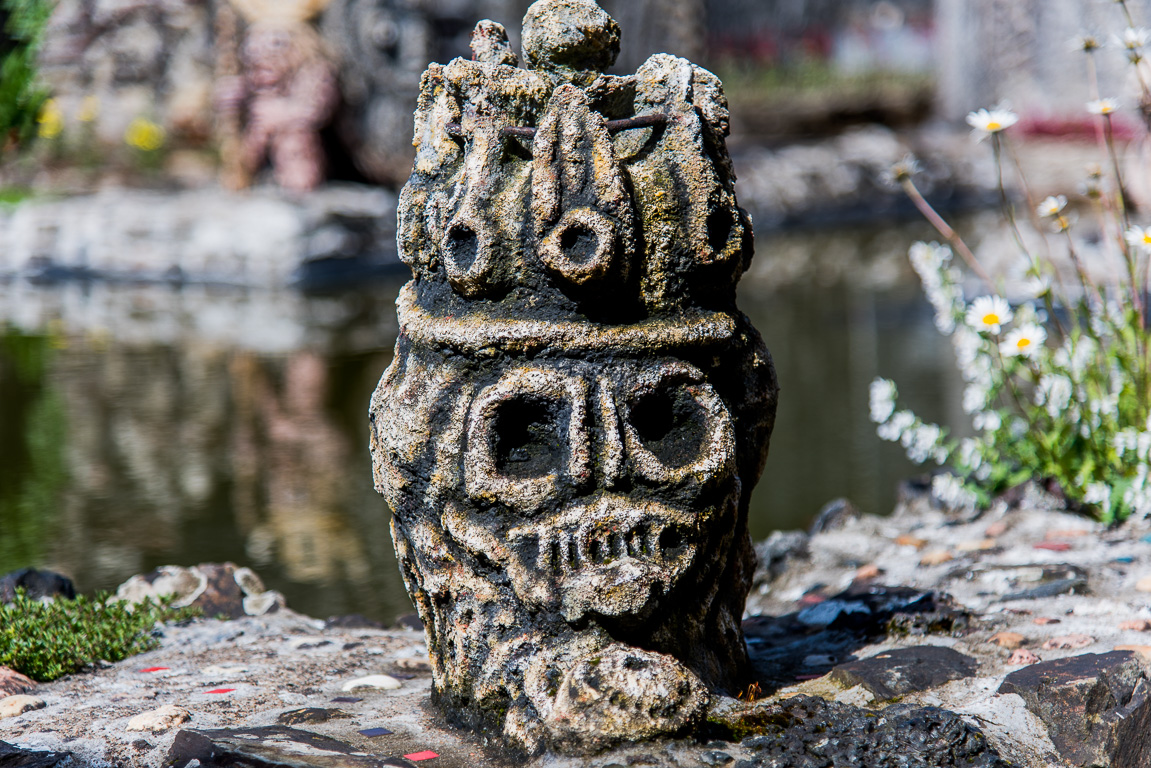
589 545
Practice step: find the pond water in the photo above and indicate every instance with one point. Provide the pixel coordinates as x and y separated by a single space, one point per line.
151 425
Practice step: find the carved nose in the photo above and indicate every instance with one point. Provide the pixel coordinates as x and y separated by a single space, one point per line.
468 260
581 247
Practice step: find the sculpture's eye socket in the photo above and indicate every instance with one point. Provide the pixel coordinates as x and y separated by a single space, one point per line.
529 436
671 424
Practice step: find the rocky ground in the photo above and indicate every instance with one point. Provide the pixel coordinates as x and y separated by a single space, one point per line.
1019 636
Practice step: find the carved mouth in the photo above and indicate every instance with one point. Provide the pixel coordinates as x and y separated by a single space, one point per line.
612 556
583 543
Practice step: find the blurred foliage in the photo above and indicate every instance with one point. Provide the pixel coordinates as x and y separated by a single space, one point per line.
33 435
47 640
22 24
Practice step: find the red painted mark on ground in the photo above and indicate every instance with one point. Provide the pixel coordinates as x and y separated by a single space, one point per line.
154 669
417 756
1054 546
811 599
220 690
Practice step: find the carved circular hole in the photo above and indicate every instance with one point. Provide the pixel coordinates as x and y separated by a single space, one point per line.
719 226
528 438
579 244
463 246
670 424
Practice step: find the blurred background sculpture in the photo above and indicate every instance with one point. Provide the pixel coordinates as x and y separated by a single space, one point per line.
283 94
577 411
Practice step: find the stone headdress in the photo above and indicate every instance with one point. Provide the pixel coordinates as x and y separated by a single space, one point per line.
577 411
284 12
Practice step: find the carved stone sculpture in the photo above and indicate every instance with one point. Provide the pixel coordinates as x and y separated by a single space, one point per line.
282 97
577 412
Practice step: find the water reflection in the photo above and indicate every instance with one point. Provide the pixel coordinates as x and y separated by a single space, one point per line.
141 426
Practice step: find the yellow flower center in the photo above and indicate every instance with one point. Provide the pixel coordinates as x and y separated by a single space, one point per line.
1147 238
1023 343
991 319
994 125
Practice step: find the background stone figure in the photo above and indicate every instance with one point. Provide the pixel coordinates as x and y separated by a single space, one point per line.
577 411
284 94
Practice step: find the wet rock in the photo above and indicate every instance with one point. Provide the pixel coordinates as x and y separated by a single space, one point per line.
36 584
1074 585
12 683
160 720
906 670
807 732
866 608
14 757
1096 707
14 706
311 715
219 590
268 747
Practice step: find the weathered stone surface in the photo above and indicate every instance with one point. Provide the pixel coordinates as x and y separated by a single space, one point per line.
14 757
807 732
1096 707
906 670
36 584
269 747
577 411
216 589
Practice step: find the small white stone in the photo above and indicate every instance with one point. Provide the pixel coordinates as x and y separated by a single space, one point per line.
160 720
383 682
13 706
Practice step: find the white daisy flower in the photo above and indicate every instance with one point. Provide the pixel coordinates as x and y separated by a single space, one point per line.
1052 206
986 122
1103 106
1138 237
1087 42
989 313
1023 342
1134 38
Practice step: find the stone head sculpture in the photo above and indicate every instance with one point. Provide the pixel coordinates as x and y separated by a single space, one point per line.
577 412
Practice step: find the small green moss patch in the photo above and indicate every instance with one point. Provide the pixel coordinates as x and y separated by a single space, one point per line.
47 640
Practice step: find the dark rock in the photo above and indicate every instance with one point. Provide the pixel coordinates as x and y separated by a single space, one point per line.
141 745
808 732
866 608
410 621
896 673
715 757
946 622
1096 706
834 515
311 715
36 584
14 757
269 747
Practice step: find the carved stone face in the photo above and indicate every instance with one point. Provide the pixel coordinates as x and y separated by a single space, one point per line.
270 55
577 412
